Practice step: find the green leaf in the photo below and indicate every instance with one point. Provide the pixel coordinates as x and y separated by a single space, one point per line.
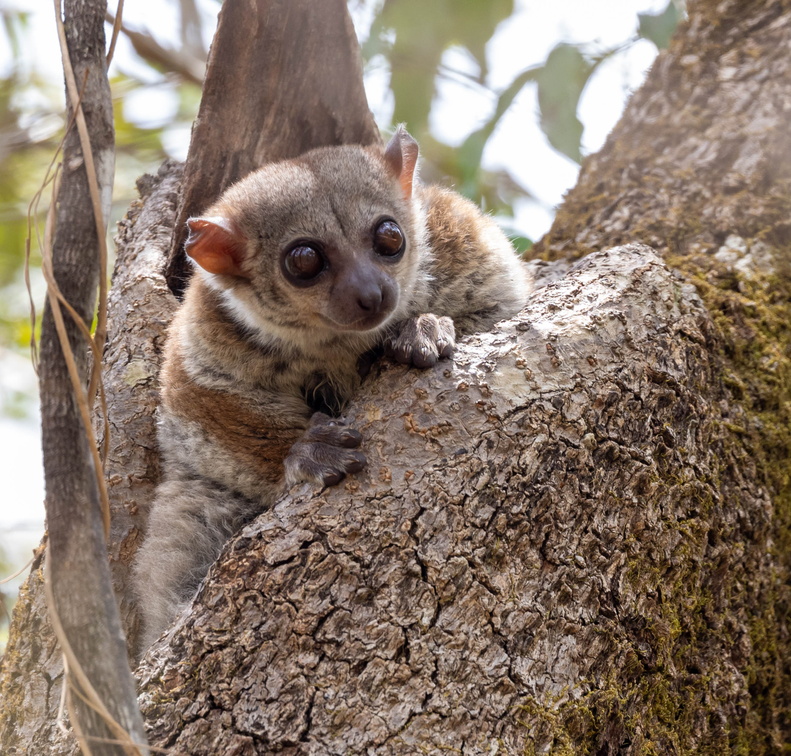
474 22
659 27
560 83
415 48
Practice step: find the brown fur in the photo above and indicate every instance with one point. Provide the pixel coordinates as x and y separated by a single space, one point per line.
256 441
256 358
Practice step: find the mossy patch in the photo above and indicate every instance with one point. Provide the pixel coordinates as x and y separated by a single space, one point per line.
655 703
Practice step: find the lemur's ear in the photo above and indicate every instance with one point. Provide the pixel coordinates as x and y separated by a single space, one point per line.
401 156
216 245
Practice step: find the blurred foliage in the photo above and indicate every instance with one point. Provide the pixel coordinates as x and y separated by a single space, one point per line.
415 50
409 38
31 126
659 27
414 53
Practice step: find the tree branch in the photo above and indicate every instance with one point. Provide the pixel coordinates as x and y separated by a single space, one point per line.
83 608
279 82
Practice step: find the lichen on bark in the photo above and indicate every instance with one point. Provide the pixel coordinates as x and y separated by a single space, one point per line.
572 540
542 551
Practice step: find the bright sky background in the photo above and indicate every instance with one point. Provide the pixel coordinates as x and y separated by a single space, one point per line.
521 42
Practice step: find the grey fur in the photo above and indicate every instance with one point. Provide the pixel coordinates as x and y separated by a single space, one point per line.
251 357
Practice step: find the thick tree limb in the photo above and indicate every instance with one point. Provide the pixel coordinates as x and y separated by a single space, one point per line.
540 522
703 151
283 77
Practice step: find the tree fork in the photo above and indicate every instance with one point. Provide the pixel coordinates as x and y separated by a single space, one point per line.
631 596
279 82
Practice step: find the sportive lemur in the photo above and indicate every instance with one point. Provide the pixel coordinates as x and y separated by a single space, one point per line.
302 268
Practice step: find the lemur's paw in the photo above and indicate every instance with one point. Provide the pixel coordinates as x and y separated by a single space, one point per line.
423 340
325 454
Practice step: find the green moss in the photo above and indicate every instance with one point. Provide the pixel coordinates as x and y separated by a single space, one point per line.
667 679
668 675
754 333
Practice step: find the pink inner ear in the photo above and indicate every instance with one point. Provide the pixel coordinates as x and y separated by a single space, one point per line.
401 155
215 245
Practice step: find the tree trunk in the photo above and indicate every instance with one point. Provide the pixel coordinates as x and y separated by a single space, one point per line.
572 539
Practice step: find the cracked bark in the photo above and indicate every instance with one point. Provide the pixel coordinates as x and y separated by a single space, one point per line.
486 570
572 539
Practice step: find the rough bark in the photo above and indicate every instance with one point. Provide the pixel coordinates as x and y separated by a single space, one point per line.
700 167
534 556
140 307
574 539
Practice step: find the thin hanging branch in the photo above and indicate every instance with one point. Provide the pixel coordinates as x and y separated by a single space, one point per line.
82 606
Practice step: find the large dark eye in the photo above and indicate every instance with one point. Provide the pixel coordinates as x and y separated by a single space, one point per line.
388 239
303 262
